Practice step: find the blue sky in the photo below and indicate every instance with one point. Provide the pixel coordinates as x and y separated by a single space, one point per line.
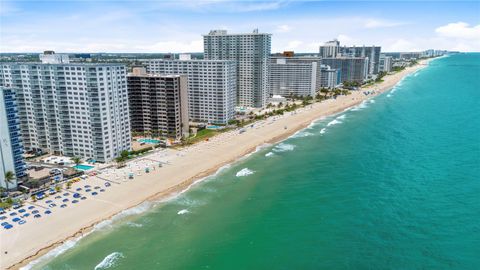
177 26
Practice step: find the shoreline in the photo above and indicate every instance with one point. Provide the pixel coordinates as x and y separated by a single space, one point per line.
266 133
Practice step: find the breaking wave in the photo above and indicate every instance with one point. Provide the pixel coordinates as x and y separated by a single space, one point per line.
183 212
283 147
244 172
109 261
301 134
360 106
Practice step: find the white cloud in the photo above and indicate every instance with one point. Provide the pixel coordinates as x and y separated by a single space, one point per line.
400 45
293 45
460 30
283 28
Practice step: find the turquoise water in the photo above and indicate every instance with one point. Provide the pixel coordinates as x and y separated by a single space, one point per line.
390 184
150 141
83 167
214 127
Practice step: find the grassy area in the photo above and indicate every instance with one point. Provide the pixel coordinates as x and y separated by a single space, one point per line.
202 135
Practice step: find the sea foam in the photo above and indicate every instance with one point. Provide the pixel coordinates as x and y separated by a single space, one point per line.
109 261
301 134
244 172
183 212
139 209
360 106
283 147
333 122
269 154
323 130
134 225
54 252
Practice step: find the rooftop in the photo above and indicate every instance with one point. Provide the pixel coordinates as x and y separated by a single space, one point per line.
224 33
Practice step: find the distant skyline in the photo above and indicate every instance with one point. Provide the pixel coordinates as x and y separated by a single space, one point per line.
177 26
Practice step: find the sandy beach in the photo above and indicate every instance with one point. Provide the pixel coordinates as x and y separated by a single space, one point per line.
181 168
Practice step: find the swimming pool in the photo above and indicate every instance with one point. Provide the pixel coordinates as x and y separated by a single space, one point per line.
83 167
214 127
150 141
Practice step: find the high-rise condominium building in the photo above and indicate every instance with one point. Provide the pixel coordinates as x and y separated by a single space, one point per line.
158 103
11 149
251 52
370 52
212 87
329 49
386 63
71 109
294 76
352 69
329 77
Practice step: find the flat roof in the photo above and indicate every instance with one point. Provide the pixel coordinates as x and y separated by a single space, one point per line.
62 64
186 60
155 75
244 34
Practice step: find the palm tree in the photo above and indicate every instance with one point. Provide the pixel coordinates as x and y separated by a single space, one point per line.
9 176
77 160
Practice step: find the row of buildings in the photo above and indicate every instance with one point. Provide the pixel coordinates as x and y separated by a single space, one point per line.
334 65
90 109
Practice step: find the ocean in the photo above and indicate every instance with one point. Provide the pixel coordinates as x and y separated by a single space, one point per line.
393 183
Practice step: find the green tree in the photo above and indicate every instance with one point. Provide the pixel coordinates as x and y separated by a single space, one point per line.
9 176
123 156
77 160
